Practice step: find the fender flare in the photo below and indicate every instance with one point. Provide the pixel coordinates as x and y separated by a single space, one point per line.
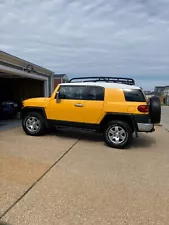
41 110
131 117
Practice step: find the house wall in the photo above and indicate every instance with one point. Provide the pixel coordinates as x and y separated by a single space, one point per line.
166 91
166 96
159 89
56 81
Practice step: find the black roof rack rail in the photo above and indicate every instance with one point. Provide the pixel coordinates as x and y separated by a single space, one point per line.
121 80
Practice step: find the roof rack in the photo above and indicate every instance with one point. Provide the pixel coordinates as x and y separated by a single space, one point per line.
121 80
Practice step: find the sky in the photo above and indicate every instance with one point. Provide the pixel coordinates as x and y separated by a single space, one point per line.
126 38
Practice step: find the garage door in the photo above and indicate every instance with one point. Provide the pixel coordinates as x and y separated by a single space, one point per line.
20 89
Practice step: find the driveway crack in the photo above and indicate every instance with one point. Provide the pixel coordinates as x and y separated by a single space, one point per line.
39 179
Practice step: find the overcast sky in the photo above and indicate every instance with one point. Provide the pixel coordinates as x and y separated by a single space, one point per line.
85 37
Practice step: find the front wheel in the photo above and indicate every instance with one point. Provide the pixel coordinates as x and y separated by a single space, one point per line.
33 124
118 134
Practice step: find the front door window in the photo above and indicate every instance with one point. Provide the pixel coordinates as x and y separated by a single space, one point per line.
71 93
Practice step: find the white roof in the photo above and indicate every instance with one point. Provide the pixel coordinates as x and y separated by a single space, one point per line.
102 84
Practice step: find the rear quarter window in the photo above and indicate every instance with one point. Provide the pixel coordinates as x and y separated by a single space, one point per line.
134 95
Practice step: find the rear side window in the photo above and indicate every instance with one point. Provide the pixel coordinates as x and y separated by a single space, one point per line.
134 95
94 93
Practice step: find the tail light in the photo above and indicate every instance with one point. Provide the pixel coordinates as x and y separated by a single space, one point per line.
143 108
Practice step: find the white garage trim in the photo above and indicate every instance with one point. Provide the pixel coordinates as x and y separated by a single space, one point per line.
46 90
23 73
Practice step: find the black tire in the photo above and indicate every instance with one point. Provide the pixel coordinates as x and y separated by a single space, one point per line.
40 119
155 109
123 126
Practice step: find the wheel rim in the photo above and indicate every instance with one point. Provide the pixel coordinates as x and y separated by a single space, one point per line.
33 124
117 134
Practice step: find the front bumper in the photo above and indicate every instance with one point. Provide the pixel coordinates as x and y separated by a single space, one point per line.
145 127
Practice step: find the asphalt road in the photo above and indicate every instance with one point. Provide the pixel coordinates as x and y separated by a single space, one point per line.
72 178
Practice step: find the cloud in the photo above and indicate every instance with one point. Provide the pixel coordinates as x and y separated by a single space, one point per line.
84 37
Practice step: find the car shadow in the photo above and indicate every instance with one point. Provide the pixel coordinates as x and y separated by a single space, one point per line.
143 141
78 133
4 223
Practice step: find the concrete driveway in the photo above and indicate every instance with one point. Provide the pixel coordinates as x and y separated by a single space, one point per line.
165 117
73 178
8 124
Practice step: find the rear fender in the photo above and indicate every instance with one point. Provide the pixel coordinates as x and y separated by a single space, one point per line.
122 116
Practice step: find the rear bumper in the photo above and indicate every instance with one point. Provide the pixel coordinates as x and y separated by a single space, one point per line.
145 127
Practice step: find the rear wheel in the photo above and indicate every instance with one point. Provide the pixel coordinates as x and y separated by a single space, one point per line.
118 134
33 124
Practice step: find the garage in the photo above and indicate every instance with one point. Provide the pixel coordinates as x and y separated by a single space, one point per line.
20 80
18 89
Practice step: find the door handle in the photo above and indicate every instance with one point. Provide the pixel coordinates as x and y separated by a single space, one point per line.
79 105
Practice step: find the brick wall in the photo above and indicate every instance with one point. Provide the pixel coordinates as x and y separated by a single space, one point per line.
56 82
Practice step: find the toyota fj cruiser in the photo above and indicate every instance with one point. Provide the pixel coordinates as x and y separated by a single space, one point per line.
111 105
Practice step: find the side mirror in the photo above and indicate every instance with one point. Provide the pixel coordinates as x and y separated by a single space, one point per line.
57 97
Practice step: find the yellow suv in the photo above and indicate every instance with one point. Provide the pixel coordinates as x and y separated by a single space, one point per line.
111 105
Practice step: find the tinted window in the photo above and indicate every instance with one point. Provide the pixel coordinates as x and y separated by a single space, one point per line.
134 96
94 93
71 92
